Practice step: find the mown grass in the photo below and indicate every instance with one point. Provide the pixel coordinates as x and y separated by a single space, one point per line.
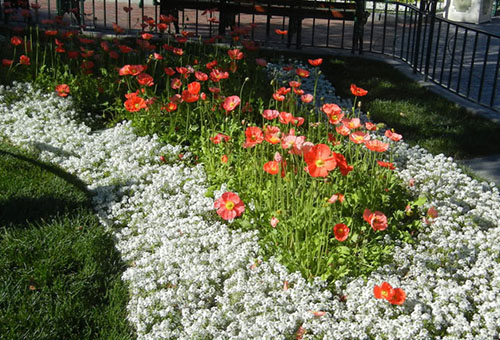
59 271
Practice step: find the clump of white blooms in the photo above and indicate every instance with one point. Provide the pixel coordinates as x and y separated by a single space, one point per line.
190 277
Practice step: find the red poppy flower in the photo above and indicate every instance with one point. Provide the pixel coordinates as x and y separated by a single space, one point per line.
189 97
229 206
235 54
376 219
377 145
261 62
387 165
298 92
175 83
201 76
370 126
16 41
170 107
307 98
302 73
125 48
278 97
24 60
393 135
359 137
320 160
341 232
358 91
134 104
7 62
271 134
220 138
253 136
178 51
272 167
432 212
224 159
342 130
281 32
194 87
315 62
217 75
270 114
133 70
169 71
145 79
330 109
211 64
162 27
62 90
285 117
230 103
384 291
342 164
398 297
336 198
351 123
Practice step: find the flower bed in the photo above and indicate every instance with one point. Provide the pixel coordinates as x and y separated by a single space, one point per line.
190 278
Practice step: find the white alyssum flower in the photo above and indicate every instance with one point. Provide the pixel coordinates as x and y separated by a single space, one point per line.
191 277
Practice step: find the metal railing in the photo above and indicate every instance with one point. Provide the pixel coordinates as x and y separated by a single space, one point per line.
458 57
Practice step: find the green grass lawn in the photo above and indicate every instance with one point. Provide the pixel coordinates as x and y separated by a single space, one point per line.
59 270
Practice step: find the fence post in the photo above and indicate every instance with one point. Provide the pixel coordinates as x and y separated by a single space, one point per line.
419 34
429 43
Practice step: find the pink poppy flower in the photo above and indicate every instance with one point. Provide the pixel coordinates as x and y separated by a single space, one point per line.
341 232
270 114
376 219
230 103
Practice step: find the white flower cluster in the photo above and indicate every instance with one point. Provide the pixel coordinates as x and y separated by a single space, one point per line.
191 277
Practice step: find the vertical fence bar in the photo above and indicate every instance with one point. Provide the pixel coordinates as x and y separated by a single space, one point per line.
104 12
328 33
444 52
409 36
395 31
418 33
343 27
93 13
116 11
385 28
453 56
429 41
373 23
314 26
484 68
472 63
422 50
403 35
495 79
462 60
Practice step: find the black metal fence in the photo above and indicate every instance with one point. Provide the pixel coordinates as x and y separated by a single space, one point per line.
459 57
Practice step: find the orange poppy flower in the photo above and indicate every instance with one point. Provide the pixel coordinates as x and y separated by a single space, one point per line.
315 62
194 87
342 164
229 206
189 97
320 160
272 167
377 145
351 123
341 232
285 117
342 130
358 91
376 219
370 126
281 32
7 62
224 159
62 90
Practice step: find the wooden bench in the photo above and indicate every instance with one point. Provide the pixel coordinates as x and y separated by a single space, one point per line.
295 10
